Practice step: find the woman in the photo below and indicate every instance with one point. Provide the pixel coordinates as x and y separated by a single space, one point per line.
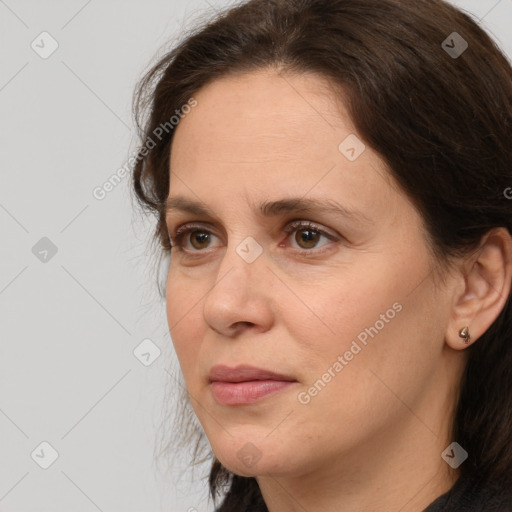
329 178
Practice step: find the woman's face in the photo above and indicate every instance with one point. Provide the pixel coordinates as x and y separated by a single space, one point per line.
339 297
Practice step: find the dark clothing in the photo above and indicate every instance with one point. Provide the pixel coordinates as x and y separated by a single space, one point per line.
468 495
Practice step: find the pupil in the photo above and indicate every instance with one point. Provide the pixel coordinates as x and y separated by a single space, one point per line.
309 237
199 237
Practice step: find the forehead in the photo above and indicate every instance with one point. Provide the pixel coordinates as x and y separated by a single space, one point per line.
262 114
262 134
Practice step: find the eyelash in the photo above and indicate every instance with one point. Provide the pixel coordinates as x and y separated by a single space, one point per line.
176 241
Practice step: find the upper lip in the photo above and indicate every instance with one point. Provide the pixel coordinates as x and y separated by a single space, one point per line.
243 373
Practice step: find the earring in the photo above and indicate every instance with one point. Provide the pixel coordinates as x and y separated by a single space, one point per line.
464 333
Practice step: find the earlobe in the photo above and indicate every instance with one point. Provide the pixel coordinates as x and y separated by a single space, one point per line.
487 278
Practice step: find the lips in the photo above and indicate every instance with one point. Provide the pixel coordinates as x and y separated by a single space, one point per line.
245 385
244 373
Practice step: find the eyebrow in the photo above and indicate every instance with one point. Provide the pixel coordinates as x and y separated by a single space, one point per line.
271 208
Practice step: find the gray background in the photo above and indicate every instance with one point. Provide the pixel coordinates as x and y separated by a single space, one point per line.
69 324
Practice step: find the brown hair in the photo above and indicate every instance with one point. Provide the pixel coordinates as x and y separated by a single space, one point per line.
442 123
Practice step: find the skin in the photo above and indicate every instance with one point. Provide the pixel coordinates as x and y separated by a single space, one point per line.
372 439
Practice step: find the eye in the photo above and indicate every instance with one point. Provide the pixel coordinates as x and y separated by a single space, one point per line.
194 238
307 235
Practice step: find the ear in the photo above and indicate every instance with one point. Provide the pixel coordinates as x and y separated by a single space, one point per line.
485 281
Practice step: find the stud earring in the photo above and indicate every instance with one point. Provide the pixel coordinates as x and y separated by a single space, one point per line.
464 333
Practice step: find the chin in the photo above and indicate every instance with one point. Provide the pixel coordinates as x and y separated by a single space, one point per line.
247 468
250 458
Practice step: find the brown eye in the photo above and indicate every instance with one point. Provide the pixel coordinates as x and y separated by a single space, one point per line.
192 239
199 239
307 238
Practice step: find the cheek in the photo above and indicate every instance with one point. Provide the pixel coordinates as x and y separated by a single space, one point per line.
185 320
335 309
382 332
371 320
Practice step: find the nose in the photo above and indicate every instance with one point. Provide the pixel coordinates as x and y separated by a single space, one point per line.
241 297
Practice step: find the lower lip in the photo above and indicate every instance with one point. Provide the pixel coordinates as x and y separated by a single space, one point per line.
243 393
